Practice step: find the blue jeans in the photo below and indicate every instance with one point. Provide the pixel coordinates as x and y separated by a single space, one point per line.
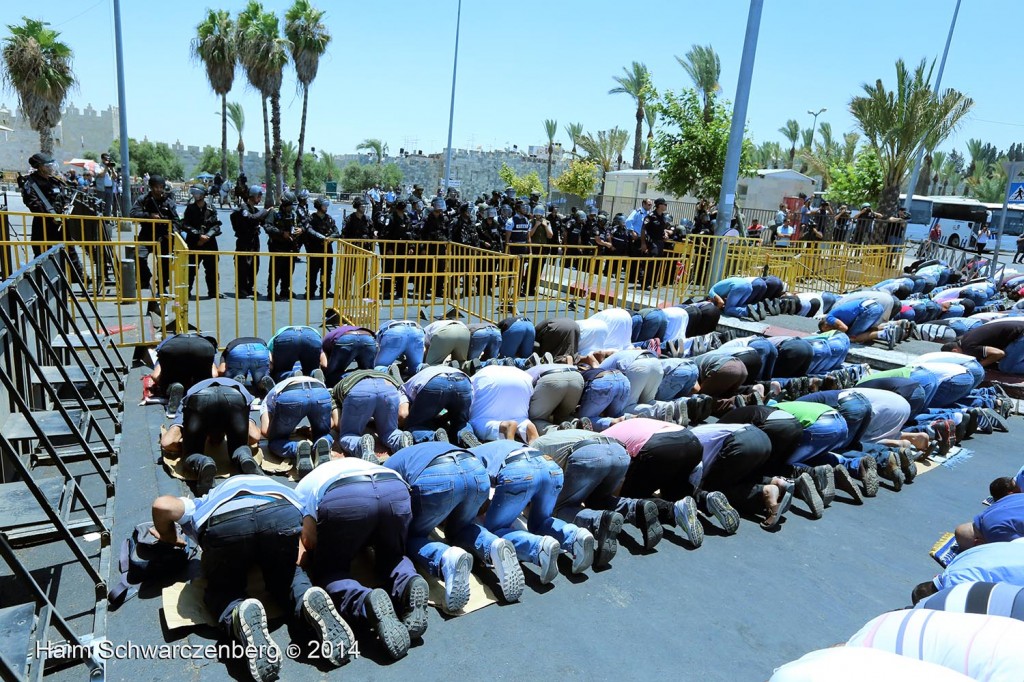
823 435
952 390
856 411
928 381
1013 362
593 474
517 340
649 326
360 348
450 493
400 341
305 401
829 351
295 349
604 398
769 353
537 482
678 380
248 360
859 315
485 343
373 399
450 394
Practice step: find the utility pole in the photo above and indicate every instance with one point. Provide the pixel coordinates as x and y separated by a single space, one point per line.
451 110
122 110
814 126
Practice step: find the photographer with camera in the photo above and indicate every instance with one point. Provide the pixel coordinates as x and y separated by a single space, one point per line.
201 227
286 231
106 180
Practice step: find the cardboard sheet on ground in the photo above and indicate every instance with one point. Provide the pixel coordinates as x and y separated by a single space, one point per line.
175 464
183 602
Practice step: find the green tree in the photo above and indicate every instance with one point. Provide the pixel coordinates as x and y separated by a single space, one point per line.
691 151
574 131
38 68
988 184
236 117
524 185
850 141
155 158
791 131
263 54
704 68
635 82
330 168
604 148
209 162
91 155
372 144
288 155
651 116
550 129
214 46
857 182
900 122
579 178
309 39
314 172
356 177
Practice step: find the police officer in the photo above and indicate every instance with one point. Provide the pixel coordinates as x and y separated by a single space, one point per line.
156 203
319 230
417 195
302 206
201 227
556 221
509 198
464 229
574 229
490 230
517 230
397 234
435 227
652 236
285 232
357 224
591 228
246 221
42 192
451 200
534 201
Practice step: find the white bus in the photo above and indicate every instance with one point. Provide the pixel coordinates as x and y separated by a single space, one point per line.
959 218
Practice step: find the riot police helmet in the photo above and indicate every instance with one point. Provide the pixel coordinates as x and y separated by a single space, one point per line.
510 192
255 191
492 212
197 191
287 199
580 215
592 210
357 203
506 211
400 205
619 219
303 194
538 210
438 204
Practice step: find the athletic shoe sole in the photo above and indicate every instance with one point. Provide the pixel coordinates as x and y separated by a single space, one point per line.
824 480
441 436
334 632
648 524
304 458
547 559
583 548
508 571
318 374
417 593
267 384
469 438
204 482
869 476
368 449
250 625
727 517
844 482
392 632
806 491
456 579
175 393
607 537
688 522
907 465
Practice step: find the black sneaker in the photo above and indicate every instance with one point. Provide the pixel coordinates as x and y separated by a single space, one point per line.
719 507
844 482
607 536
321 452
205 477
249 466
392 632
334 633
869 475
647 523
806 491
175 393
414 606
304 458
249 626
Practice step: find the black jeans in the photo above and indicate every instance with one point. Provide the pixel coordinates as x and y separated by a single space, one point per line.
738 463
320 268
663 463
204 256
266 536
247 266
795 356
185 360
215 409
559 336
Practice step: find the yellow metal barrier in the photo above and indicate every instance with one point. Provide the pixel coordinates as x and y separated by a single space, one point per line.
551 277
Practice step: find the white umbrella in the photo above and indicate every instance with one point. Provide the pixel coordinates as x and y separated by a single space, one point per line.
85 164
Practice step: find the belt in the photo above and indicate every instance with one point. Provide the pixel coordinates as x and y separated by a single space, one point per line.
405 323
517 455
450 457
238 513
300 384
364 478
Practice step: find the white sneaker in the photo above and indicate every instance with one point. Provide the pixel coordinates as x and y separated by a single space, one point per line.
547 559
507 569
456 563
583 547
687 521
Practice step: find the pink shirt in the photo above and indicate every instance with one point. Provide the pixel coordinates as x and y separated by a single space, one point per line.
634 433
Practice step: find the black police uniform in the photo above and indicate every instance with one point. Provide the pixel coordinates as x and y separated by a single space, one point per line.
149 231
246 221
653 232
320 228
44 195
282 227
357 226
197 223
397 233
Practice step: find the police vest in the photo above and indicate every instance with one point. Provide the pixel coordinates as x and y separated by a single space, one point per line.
520 232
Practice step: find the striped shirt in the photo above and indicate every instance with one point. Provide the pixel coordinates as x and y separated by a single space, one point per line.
993 599
198 512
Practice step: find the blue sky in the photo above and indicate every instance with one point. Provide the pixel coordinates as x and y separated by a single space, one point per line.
388 72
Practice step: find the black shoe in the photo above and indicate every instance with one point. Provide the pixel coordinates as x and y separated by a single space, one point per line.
607 536
304 459
330 627
249 466
647 523
266 384
392 632
844 482
175 393
249 626
414 607
206 475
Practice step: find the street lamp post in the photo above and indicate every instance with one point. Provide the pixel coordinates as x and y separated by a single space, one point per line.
814 126
451 110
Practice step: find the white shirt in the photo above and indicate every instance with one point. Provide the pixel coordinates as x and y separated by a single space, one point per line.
271 399
889 412
620 327
856 664
593 335
678 319
500 394
310 490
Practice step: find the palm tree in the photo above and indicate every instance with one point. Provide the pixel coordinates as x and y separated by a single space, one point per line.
938 163
574 131
806 138
791 131
550 129
850 141
288 152
378 147
898 123
605 148
975 150
236 117
329 166
636 82
704 68
38 69
309 39
263 53
651 115
214 46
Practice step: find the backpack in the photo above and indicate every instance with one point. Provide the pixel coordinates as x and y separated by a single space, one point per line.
143 557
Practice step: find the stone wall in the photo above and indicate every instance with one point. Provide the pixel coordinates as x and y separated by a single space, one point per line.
80 131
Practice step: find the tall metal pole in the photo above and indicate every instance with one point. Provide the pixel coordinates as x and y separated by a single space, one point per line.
1014 174
727 198
938 81
122 110
451 111
814 125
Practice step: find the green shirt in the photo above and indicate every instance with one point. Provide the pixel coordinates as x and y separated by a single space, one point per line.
899 373
807 412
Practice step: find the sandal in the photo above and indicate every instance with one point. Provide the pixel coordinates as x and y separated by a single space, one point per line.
771 522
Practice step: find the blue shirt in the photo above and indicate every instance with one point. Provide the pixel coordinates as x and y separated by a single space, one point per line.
1019 478
635 221
1003 521
198 512
998 562
724 288
270 344
411 461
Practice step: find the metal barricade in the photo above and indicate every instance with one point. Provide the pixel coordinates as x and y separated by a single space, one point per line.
551 277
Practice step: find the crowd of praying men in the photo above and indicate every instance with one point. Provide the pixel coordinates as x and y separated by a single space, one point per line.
649 420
